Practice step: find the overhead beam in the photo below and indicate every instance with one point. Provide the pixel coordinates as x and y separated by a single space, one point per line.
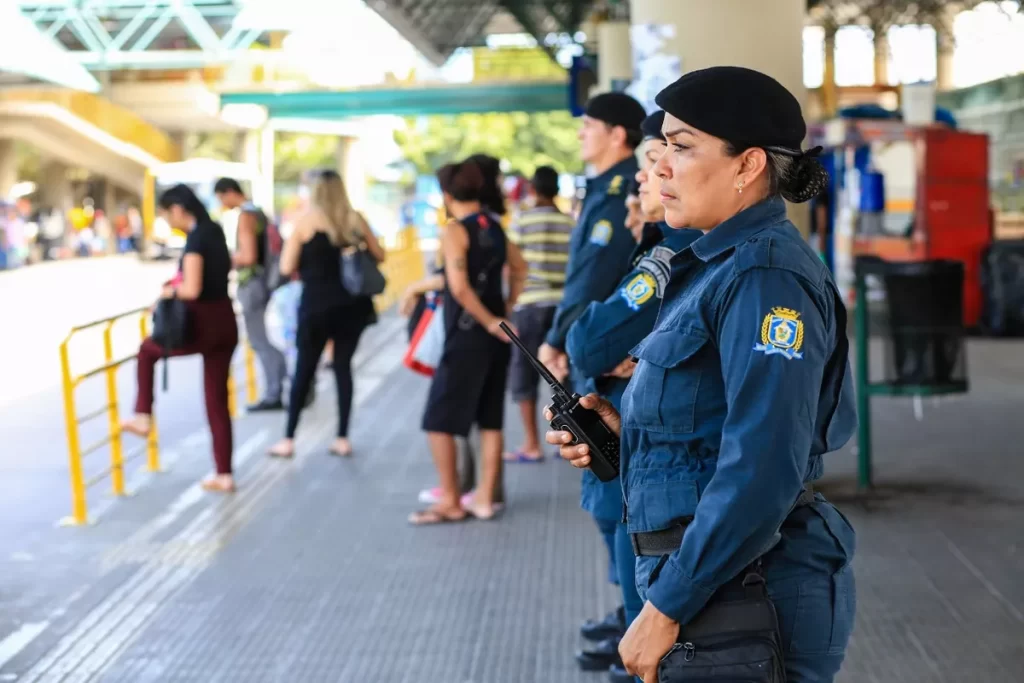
500 97
127 48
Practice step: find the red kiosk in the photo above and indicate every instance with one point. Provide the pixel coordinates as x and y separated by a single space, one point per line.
949 215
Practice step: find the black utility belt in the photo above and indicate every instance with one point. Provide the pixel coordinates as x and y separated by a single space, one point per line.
667 541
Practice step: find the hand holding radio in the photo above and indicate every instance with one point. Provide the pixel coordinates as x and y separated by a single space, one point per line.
572 414
578 454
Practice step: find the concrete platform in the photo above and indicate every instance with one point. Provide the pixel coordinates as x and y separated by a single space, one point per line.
310 573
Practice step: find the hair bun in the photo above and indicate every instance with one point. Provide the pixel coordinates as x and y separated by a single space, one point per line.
807 179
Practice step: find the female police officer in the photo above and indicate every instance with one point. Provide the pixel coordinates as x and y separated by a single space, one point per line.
740 389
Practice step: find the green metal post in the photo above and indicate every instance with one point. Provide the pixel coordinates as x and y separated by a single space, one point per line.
863 386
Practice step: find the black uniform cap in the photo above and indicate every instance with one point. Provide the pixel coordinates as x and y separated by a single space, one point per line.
651 126
616 109
747 109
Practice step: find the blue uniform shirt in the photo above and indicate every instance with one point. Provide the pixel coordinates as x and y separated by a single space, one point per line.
606 332
599 248
740 389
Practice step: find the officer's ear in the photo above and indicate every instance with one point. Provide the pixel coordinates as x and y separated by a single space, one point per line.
617 134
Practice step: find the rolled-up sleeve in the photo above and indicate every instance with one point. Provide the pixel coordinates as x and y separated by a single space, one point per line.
774 335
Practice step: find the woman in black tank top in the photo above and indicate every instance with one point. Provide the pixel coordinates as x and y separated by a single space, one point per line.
326 311
469 383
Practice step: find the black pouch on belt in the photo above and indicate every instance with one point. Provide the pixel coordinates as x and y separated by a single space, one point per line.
729 641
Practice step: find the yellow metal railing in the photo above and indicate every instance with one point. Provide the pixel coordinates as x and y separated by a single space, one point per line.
77 452
403 266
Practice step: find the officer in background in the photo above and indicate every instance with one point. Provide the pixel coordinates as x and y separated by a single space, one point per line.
599 343
739 391
599 251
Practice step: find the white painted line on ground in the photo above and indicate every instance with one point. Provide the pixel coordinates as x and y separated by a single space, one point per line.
19 640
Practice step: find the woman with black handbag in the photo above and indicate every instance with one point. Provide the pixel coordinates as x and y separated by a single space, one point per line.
194 316
328 309
737 395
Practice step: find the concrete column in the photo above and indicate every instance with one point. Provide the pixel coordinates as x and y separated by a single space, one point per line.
830 94
767 36
944 49
264 196
352 170
247 147
8 167
614 55
54 186
881 58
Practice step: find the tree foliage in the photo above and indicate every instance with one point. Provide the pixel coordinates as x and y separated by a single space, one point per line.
525 141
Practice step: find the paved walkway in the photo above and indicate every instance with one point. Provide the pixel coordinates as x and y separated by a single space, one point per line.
311 574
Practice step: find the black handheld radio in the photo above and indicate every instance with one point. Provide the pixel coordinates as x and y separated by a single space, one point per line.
583 423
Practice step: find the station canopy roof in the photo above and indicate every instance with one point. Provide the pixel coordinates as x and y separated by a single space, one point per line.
438 27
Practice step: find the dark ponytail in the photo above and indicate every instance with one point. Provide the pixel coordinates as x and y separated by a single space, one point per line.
463 181
492 196
183 196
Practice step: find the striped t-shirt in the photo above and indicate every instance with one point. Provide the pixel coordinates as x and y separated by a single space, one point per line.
542 234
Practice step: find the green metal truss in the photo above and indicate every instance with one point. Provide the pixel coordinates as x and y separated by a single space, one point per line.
133 34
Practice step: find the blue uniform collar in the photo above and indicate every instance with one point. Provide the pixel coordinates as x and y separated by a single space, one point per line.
677 240
626 169
739 228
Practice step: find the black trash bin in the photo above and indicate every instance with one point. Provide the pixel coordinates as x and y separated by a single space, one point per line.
925 335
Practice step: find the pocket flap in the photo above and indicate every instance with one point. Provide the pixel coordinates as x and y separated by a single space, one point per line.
668 348
653 506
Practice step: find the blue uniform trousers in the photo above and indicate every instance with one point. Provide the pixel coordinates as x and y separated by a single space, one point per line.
814 596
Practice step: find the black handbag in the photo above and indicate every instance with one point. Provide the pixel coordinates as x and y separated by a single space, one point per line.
730 640
170 328
360 275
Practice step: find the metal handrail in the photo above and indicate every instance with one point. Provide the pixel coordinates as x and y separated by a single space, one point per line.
403 265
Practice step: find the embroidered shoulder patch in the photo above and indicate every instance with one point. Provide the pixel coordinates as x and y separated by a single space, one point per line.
782 333
601 233
639 290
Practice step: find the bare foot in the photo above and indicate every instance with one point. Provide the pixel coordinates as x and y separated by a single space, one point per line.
219 483
285 448
481 509
138 425
342 447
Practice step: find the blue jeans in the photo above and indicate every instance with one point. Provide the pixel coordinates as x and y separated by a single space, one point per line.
607 528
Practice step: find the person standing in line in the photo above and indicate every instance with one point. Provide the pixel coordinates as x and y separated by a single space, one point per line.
469 383
253 293
542 233
599 343
326 310
201 282
599 251
737 395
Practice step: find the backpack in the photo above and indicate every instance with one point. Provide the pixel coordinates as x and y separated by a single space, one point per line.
269 248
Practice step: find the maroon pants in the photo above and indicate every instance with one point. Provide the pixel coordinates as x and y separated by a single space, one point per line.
214 336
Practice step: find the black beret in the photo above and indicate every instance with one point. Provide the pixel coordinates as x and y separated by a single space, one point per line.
652 125
739 105
616 109
748 109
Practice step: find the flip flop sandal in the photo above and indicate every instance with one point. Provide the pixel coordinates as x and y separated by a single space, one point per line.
519 456
430 517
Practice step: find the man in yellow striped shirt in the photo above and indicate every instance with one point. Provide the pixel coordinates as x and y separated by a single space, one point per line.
542 234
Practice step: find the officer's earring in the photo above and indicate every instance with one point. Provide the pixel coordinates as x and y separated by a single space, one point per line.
739 188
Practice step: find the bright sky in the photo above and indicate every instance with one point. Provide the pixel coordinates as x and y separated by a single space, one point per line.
346 44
